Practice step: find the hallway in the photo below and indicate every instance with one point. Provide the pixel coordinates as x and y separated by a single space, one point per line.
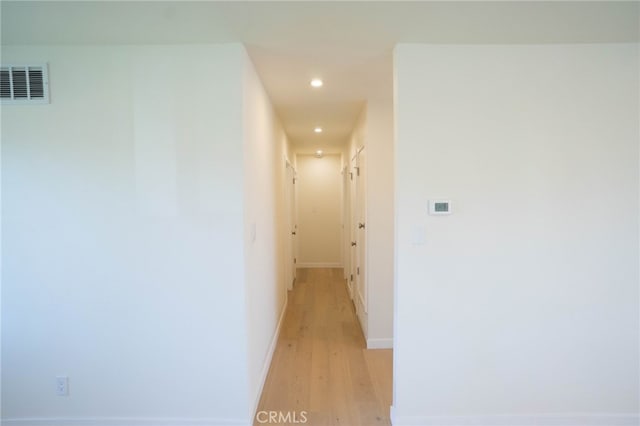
321 366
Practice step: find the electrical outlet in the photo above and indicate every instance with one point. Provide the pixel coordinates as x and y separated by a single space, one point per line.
62 386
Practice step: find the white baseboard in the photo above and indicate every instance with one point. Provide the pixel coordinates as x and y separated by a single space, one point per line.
362 317
123 421
626 419
361 301
267 362
318 265
380 343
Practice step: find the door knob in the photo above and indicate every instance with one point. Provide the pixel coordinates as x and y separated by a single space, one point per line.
293 233
353 243
361 225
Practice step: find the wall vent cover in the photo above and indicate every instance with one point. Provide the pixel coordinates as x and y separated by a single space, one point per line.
24 84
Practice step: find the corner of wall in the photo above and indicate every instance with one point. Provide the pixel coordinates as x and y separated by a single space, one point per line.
265 146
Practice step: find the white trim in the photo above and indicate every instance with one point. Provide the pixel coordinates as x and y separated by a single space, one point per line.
363 318
267 361
357 152
380 343
122 421
574 419
361 300
318 265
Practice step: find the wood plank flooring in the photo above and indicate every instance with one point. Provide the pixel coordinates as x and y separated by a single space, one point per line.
320 365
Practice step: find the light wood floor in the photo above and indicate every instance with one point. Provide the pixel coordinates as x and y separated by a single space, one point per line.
320 364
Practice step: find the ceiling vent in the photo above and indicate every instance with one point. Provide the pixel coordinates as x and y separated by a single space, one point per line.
24 84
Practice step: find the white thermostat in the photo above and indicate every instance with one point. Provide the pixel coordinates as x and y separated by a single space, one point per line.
439 207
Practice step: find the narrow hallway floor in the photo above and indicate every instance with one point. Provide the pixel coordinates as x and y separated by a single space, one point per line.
321 371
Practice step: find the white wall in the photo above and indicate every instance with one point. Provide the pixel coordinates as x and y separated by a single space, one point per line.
374 131
319 207
123 237
522 306
265 147
357 137
380 239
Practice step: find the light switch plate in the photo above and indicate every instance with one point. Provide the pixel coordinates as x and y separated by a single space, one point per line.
418 235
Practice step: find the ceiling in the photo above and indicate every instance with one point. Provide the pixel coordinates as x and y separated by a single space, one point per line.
347 44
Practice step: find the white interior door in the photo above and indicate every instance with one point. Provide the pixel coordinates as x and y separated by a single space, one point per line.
358 280
360 229
290 203
346 220
294 226
353 218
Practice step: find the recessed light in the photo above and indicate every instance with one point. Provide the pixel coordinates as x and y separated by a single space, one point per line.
316 82
318 130
319 153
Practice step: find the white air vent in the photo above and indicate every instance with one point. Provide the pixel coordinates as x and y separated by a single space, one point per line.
24 84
